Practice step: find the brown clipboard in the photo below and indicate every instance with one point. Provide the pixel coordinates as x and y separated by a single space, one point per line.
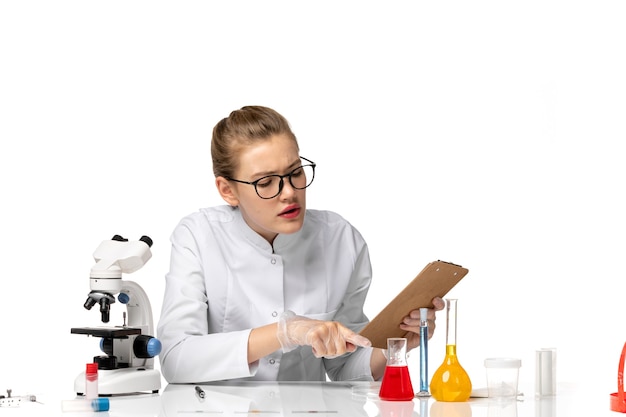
435 280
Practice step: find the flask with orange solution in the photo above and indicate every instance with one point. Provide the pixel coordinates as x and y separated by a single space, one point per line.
450 381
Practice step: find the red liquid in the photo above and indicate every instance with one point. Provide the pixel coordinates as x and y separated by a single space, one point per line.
396 385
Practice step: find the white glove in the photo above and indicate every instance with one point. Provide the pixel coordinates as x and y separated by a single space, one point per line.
328 339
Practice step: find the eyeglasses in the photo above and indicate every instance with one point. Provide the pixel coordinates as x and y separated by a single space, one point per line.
271 185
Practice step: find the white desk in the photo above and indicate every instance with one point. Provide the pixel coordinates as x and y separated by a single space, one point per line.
299 399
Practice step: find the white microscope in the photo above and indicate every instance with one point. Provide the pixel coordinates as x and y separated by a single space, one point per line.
128 366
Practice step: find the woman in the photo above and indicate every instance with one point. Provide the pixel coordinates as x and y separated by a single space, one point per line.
262 288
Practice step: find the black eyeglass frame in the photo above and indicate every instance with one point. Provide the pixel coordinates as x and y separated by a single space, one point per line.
282 179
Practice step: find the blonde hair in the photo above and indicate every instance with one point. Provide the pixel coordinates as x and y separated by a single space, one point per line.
244 127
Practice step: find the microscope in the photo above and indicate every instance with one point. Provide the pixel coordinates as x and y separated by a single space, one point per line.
128 364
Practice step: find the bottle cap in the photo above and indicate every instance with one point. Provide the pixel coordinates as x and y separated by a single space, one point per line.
92 368
100 404
502 363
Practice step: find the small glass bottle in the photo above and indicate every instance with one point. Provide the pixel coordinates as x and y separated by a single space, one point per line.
451 382
91 381
396 384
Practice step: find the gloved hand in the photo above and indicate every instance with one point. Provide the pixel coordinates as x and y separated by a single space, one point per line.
328 339
411 323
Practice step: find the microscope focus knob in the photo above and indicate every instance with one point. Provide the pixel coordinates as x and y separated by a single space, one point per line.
146 346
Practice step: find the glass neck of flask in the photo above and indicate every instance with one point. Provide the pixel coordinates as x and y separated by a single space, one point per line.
451 322
396 351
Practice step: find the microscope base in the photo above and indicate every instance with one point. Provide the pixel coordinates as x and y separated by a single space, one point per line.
122 381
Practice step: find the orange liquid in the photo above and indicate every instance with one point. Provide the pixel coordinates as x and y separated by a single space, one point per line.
451 382
396 385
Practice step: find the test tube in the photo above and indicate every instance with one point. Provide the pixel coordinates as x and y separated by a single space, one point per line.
91 381
545 372
423 392
96 404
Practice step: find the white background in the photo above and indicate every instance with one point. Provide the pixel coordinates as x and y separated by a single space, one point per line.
485 133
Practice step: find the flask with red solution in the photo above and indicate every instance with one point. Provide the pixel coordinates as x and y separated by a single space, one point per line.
396 384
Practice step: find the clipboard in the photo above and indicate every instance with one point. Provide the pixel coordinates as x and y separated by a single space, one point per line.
435 280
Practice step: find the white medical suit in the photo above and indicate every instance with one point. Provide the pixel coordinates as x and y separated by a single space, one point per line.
225 279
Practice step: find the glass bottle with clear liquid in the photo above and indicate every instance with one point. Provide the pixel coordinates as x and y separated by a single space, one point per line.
396 384
450 381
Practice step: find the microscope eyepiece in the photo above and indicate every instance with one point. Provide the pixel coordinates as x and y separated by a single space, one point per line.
146 240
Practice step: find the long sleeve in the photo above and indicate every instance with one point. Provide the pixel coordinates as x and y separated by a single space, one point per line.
190 352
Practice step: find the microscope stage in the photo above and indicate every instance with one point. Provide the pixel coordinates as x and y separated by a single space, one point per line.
113 332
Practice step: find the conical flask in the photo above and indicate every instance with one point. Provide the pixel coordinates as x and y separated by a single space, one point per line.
450 381
396 384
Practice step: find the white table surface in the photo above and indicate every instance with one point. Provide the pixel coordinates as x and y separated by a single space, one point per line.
298 399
